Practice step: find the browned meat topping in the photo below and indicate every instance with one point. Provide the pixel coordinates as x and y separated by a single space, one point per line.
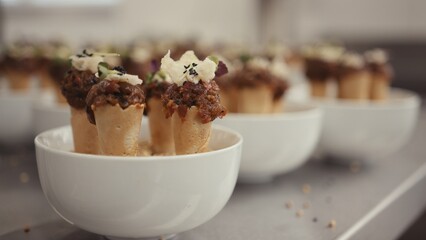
342 71
28 64
58 69
317 69
76 85
383 69
252 78
203 95
113 92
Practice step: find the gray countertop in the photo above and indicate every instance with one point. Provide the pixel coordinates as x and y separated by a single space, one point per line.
374 199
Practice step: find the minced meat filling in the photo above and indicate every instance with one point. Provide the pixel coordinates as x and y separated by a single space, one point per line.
28 65
154 89
203 95
113 92
252 78
76 85
317 69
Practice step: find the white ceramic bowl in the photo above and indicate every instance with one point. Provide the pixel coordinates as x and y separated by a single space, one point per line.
16 119
277 143
363 130
135 197
48 115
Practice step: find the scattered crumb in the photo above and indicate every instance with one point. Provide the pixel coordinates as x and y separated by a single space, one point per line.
314 219
306 205
306 188
355 167
289 204
27 229
299 213
24 177
332 224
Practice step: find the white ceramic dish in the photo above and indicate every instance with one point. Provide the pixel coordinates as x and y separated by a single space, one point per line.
135 197
48 115
16 119
277 143
364 130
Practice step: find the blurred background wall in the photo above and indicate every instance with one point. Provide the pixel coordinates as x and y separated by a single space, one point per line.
398 25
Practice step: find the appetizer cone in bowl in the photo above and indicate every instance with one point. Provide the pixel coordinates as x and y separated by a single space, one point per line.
192 101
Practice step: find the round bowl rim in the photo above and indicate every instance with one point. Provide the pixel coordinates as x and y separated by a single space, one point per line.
311 110
93 157
410 100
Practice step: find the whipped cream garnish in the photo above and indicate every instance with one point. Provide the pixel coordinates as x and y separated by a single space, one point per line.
128 78
378 56
277 49
161 76
188 68
277 66
117 74
354 60
21 51
89 61
140 54
328 53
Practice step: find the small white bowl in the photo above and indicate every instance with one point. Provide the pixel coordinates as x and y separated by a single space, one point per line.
136 197
277 143
364 130
48 115
16 118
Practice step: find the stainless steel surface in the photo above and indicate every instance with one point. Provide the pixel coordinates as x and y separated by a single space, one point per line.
377 199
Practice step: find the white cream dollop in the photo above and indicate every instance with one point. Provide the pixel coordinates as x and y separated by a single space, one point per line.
378 56
188 68
162 77
128 78
277 66
326 52
140 54
352 59
84 63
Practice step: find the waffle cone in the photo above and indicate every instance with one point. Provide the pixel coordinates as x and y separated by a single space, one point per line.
190 134
318 88
45 80
355 86
255 100
278 106
228 98
18 81
379 87
161 128
119 129
84 133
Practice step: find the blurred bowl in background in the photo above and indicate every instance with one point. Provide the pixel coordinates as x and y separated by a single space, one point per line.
16 118
135 197
277 143
363 130
49 115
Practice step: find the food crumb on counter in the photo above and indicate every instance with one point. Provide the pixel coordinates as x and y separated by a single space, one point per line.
306 188
289 204
332 224
299 213
27 229
306 205
314 219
